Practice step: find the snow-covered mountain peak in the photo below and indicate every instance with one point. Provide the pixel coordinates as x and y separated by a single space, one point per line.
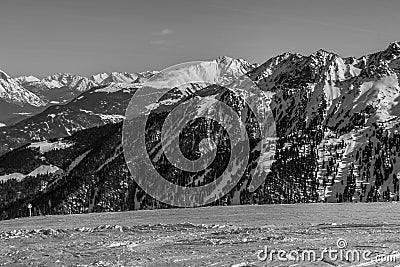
394 47
229 60
12 92
62 77
323 52
27 79
4 76
222 70
100 77
122 77
323 56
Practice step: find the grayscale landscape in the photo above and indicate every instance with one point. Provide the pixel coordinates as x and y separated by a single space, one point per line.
199 133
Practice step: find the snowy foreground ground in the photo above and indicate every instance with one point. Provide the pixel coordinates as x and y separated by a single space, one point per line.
215 236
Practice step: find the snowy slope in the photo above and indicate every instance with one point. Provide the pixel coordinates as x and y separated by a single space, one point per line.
12 92
223 70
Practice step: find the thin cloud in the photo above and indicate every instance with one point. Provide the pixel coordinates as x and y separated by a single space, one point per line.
164 32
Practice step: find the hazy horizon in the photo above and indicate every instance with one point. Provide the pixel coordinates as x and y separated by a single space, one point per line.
86 37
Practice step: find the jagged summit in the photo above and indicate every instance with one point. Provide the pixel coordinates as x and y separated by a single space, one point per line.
324 55
229 60
223 58
323 51
394 46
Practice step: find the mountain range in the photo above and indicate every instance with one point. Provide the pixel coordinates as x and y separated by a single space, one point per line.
28 95
337 122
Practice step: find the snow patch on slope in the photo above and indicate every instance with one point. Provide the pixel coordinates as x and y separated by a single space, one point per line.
46 146
41 170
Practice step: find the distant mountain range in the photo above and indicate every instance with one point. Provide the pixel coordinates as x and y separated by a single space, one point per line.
106 103
27 95
337 122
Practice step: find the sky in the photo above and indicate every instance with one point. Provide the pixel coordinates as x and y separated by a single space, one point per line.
43 37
